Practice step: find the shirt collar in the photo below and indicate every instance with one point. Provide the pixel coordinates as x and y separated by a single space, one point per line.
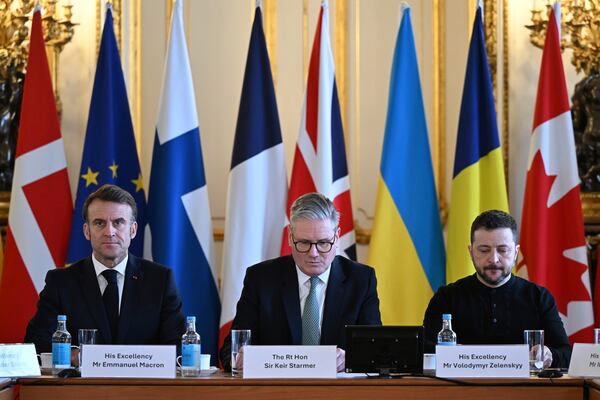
120 267
302 277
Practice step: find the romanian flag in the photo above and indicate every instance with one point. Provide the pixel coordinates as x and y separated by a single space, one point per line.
407 247
478 182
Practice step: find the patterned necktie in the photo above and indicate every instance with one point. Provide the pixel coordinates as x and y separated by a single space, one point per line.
111 301
311 332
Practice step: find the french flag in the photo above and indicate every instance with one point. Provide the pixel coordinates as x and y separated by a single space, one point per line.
257 192
320 158
179 213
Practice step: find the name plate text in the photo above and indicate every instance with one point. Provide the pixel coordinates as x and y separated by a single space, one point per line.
585 360
128 361
18 360
289 362
489 361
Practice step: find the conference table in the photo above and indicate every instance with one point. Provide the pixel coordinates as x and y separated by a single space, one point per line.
594 389
220 386
6 391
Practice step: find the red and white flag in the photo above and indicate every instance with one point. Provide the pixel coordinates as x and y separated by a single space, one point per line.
320 157
553 245
41 208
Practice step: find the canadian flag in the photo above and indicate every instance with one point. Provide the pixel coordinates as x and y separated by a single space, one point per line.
41 208
553 245
320 157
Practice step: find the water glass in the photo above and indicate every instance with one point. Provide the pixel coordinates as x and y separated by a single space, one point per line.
85 336
534 338
596 335
239 339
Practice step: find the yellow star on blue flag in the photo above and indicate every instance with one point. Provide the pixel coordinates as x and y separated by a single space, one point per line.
90 177
113 168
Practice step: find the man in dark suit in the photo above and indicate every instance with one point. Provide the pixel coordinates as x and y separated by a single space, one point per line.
128 299
308 297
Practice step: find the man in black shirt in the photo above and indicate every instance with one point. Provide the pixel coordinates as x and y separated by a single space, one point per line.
493 306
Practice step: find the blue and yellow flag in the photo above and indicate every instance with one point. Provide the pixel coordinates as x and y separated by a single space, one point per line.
478 182
109 151
407 247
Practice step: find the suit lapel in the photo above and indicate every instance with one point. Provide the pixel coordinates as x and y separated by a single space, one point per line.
334 297
291 300
131 288
93 298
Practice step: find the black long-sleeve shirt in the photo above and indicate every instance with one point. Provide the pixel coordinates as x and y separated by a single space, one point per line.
484 315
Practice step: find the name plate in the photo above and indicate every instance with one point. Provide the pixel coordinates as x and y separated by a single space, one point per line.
488 361
290 362
18 360
585 360
127 361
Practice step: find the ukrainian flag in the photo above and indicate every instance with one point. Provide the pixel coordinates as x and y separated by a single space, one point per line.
407 247
478 182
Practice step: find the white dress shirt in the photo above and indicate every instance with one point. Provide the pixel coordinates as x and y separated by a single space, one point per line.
304 289
103 283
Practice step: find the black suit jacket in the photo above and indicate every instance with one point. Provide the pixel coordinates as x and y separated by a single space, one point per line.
270 303
150 305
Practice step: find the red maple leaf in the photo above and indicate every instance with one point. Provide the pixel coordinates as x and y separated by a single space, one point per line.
546 232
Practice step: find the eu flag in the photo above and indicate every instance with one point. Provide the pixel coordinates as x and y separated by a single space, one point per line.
109 151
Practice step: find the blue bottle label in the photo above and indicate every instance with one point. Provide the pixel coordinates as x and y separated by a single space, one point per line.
446 343
190 355
61 355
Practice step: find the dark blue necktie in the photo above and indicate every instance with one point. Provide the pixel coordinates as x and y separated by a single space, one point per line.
111 302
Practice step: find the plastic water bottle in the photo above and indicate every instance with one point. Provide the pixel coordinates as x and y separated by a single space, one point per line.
190 350
61 346
446 337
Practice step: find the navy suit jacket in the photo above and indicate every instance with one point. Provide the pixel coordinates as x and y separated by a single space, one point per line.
270 303
150 305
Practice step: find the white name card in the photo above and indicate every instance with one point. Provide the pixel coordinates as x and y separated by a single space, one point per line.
495 361
289 362
127 361
18 360
585 360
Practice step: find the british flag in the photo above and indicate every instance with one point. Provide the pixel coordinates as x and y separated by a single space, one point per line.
320 157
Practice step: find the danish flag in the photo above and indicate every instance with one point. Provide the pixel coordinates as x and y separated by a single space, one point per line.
320 157
552 235
40 204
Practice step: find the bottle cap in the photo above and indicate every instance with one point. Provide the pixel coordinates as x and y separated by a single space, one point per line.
191 319
446 316
61 318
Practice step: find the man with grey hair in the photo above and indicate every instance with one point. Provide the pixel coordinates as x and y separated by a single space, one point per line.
308 297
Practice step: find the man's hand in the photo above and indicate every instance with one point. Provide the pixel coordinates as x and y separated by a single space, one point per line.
340 357
547 357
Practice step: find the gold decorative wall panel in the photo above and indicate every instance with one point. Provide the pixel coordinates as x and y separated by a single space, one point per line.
438 151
